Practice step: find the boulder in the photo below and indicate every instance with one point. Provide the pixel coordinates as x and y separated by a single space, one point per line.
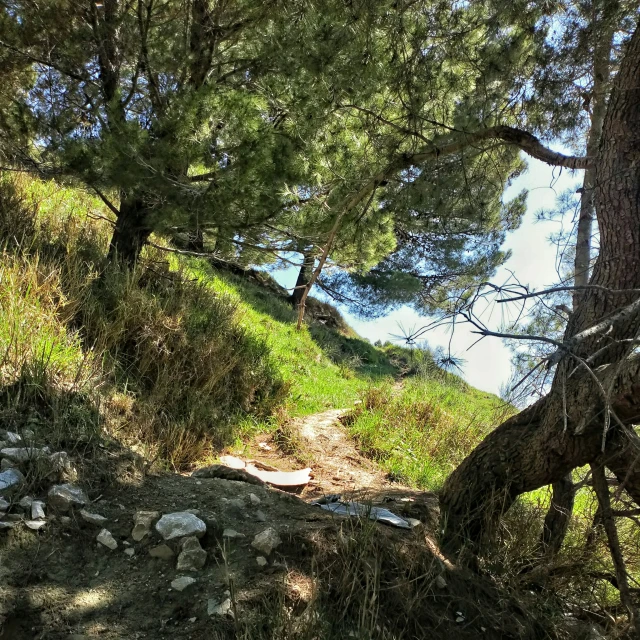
64 496
180 525
266 541
35 524
192 556
143 521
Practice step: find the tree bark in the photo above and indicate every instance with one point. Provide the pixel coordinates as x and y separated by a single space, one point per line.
601 75
558 518
562 431
130 233
304 275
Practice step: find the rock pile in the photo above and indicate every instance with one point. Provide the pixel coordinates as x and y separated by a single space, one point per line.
21 455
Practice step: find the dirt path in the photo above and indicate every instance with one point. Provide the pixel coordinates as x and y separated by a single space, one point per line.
322 442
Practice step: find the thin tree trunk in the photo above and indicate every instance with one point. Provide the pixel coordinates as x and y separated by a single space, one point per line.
304 275
558 518
540 446
601 76
604 500
130 233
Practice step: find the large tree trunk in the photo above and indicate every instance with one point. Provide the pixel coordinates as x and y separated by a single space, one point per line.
131 232
558 518
564 430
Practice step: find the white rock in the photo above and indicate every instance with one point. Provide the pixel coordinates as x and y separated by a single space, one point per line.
441 583
10 480
232 533
65 496
92 518
192 557
266 541
413 522
37 510
215 608
262 561
130 552
4 504
6 525
260 517
105 538
25 502
143 520
254 500
22 454
181 583
35 524
179 525
12 438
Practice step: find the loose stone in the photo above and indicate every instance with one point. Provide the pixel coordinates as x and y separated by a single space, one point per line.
143 520
215 608
22 454
10 480
181 583
192 557
232 533
37 510
35 524
254 500
179 525
92 518
65 496
162 551
105 538
266 541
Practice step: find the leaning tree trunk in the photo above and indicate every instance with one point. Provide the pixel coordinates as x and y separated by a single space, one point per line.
564 430
131 232
304 275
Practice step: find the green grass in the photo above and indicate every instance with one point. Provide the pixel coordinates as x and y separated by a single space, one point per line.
420 432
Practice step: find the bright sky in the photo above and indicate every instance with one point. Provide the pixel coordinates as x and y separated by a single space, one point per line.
533 262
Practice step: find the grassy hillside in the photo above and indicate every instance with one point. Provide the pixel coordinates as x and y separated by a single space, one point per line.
177 359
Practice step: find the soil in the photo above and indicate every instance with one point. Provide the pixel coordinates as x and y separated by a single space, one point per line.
59 582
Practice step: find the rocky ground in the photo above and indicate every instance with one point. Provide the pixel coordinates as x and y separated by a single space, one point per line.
186 556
